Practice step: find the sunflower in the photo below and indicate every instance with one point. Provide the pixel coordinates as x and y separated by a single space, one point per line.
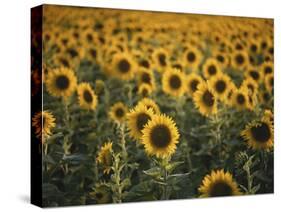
211 68
205 100
220 85
240 60
192 82
192 58
101 193
144 90
160 136
61 82
267 68
105 157
87 97
269 82
265 97
149 103
268 114
218 184
251 85
137 119
160 59
43 122
232 89
173 82
222 58
146 76
123 66
240 99
255 74
118 112
259 135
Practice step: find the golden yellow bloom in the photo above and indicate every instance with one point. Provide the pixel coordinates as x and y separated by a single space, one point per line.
204 99
259 135
160 136
192 58
123 66
149 103
267 68
173 82
255 74
219 84
211 68
240 60
118 112
87 97
269 82
240 99
251 85
43 122
61 82
218 184
160 59
105 157
192 82
144 90
137 119
146 76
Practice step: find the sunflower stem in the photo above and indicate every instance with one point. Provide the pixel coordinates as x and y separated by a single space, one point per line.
164 163
123 145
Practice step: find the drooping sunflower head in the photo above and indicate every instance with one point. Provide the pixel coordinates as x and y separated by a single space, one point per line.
123 66
205 100
149 103
144 90
104 157
259 135
118 112
146 76
192 82
218 184
43 123
240 99
160 59
87 97
267 68
160 136
137 118
192 58
61 82
173 82
101 193
251 85
220 86
211 68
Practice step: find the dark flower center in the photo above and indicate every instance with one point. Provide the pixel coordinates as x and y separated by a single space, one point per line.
88 96
268 70
220 86
93 52
261 133
193 85
124 66
144 63
175 82
254 48
241 99
72 52
255 75
190 57
239 59
160 136
208 99
220 189
220 58
162 59
62 82
266 96
145 78
142 119
99 195
119 112
212 70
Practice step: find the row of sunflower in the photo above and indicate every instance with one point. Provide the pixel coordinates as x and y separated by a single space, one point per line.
145 106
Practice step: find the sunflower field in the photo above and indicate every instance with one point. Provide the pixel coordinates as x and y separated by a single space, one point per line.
142 106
